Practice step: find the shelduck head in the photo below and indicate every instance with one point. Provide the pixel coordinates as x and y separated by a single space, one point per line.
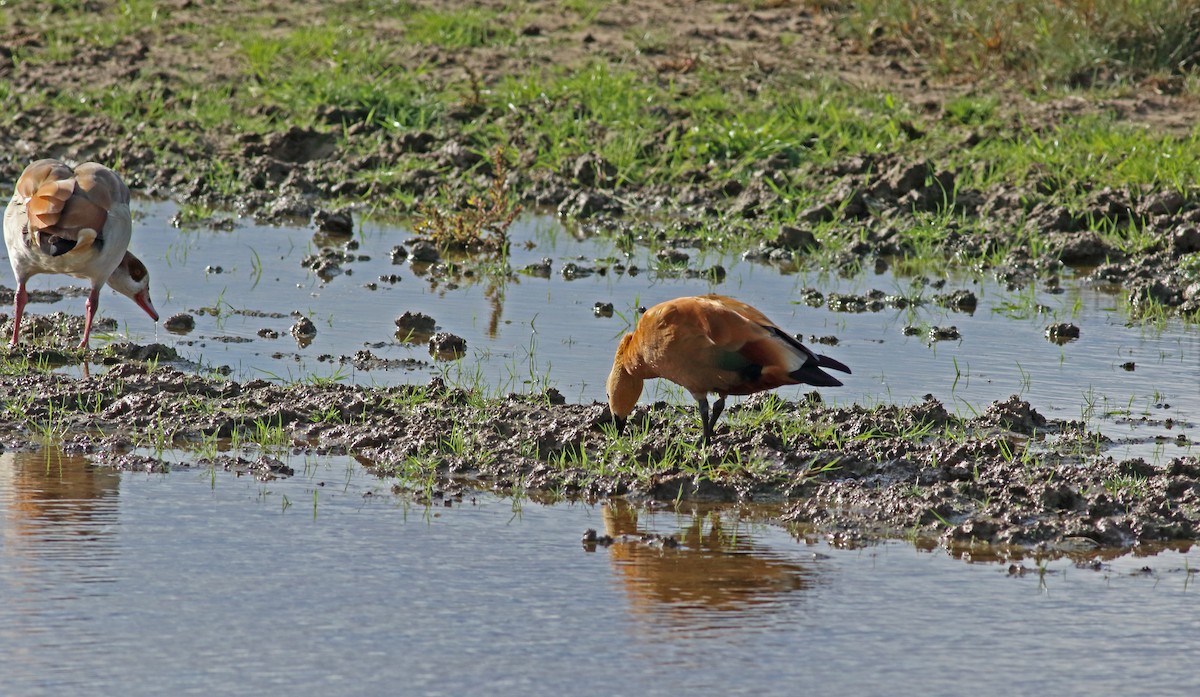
623 387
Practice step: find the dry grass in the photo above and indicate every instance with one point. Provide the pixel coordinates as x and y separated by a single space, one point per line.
479 225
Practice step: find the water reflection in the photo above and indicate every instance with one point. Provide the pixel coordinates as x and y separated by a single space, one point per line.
717 577
58 551
366 594
59 513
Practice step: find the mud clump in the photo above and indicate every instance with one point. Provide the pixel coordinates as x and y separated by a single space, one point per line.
424 252
339 222
180 323
415 328
796 239
540 269
950 333
447 346
127 351
303 329
416 323
329 262
1013 414
1062 332
367 361
960 300
588 204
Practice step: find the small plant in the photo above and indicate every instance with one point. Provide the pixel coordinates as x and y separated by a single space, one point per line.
270 435
958 375
482 224
1128 485
457 442
256 267
208 446
53 428
333 378
816 469
330 415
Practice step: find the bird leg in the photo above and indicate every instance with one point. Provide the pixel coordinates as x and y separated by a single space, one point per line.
93 304
702 405
709 419
21 298
718 407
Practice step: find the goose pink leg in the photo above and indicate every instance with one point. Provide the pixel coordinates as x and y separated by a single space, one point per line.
93 303
22 297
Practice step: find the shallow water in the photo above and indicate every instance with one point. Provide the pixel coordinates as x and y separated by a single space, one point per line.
201 582
532 332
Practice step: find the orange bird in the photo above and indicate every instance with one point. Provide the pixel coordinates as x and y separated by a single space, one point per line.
711 343
75 222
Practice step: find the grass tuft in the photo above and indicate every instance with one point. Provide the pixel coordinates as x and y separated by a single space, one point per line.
479 225
1072 43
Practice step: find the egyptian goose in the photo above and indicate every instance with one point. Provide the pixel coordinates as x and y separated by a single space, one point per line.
74 222
710 343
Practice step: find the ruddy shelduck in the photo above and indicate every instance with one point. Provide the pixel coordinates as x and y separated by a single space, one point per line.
711 343
74 222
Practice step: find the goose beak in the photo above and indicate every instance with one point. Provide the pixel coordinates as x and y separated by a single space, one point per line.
143 301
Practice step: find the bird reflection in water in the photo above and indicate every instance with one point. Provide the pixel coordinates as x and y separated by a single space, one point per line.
711 572
57 510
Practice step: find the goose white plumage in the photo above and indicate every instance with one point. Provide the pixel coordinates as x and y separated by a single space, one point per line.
74 222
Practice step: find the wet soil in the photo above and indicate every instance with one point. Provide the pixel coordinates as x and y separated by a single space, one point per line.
1009 476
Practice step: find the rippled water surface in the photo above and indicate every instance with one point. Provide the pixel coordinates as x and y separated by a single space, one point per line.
198 582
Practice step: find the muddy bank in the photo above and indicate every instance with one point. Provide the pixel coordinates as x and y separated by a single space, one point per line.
1008 476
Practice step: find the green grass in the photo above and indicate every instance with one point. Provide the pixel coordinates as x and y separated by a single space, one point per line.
620 115
1126 486
1189 266
343 67
289 72
460 28
67 26
1070 42
1091 149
